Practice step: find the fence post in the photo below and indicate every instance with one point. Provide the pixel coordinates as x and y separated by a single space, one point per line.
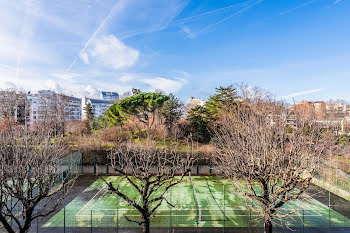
117 213
171 214
64 218
250 220
329 208
303 219
11 209
224 209
91 221
197 168
95 169
107 168
336 177
37 223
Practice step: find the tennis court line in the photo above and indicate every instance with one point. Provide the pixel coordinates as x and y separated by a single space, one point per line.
103 188
212 195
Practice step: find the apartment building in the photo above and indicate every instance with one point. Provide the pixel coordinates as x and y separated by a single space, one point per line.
193 102
13 106
99 106
324 112
107 95
48 104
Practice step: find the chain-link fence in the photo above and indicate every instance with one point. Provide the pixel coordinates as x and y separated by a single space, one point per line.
331 178
179 221
70 168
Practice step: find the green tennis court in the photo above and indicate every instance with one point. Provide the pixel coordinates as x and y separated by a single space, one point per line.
205 202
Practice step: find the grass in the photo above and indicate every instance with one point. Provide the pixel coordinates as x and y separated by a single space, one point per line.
97 207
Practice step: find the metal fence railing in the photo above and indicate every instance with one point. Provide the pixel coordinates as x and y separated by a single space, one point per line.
328 176
180 221
70 168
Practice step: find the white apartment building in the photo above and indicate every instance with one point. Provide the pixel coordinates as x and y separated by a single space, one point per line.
48 104
193 102
99 106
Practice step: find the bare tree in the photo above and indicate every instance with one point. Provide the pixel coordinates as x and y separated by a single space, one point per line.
53 109
30 184
13 108
268 161
151 172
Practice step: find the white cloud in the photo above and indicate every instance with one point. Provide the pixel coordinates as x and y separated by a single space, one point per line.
126 78
190 34
166 85
65 76
181 73
7 84
110 52
89 91
337 1
300 93
53 85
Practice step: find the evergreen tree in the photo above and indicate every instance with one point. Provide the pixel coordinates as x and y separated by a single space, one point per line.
90 115
224 97
200 117
171 111
143 106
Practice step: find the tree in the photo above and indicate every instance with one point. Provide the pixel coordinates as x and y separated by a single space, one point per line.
53 109
171 111
225 96
29 170
60 111
151 172
202 117
90 115
143 106
198 118
136 91
13 108
114 115
268 162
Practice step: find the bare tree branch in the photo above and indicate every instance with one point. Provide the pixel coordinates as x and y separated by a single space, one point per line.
151 171
268 160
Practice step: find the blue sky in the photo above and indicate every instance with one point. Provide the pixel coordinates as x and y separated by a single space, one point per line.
297 49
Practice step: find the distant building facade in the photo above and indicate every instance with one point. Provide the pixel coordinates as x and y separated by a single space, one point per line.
193 102
28 108
107 95
99 106
13 106
48 104
324 112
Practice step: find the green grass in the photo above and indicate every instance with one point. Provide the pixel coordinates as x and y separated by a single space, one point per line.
101 209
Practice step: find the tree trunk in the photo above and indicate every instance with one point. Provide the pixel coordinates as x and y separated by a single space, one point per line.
146 226
6 224
24 230
267 226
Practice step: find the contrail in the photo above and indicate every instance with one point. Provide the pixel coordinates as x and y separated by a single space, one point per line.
300 93
297 7
210 12
102 24
230 16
